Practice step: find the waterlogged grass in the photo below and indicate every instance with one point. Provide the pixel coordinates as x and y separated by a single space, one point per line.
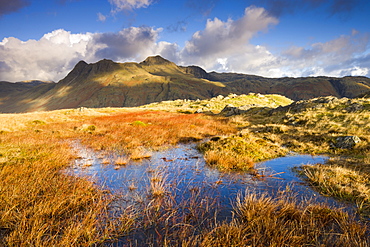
314 128
262 221
39 205
341 182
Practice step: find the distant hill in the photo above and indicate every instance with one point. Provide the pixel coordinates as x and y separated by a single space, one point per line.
156 79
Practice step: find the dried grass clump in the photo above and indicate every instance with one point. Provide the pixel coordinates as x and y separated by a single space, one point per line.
239 152
158 185
228 160
121 161
263 221
341 182
140 153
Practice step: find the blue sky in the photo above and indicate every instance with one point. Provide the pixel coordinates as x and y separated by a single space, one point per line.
44 39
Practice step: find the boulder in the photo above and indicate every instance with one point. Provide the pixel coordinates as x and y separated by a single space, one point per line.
355 107
231 110
347 142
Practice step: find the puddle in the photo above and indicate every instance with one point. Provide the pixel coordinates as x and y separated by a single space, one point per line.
184 171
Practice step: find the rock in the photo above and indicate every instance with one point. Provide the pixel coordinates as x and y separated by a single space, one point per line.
312 104
198 72
232 95
347 142
355 107
215 138
231 110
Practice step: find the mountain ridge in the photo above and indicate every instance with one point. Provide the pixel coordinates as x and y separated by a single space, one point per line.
110 84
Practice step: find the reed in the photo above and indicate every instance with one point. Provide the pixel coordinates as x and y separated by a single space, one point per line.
121 161
140 153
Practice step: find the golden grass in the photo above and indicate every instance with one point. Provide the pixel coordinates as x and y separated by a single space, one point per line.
263 221
140 153
117 132
42 206
341 182
121 161
158 185
239 152
228 160
315 130
39 205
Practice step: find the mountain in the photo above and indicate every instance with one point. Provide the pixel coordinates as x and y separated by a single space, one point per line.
295 88
107 83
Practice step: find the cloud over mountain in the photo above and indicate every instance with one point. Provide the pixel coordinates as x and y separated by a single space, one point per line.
48 58
338 57
222 43
132 43
55 54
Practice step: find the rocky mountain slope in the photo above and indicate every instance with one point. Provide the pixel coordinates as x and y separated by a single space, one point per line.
156 79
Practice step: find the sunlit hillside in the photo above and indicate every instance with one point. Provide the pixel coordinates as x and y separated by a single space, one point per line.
110 84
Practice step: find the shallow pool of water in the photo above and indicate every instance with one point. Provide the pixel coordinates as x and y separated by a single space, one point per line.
184 171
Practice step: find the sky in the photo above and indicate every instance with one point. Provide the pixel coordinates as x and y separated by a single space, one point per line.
44 39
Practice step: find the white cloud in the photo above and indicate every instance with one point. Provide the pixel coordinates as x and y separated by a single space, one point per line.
168 50
226 45
132 43
101 17
356 71
338 57
47 59
124 5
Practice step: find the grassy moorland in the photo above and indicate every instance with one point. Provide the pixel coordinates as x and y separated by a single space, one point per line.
42 206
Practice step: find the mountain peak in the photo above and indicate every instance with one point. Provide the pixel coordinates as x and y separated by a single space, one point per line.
155 60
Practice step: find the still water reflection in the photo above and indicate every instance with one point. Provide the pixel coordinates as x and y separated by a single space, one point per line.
183 170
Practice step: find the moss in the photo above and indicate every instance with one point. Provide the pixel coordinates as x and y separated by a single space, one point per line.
38 122
138 123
